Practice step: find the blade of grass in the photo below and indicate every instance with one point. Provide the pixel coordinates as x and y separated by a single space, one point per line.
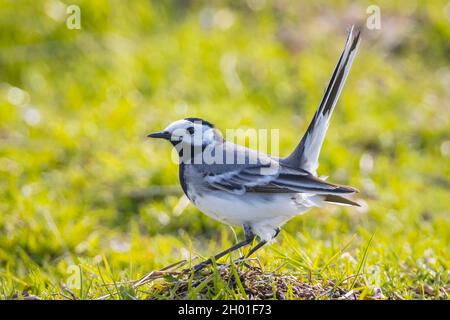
337 254
361 264
237 279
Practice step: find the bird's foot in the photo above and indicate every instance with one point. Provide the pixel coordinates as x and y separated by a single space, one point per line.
244 261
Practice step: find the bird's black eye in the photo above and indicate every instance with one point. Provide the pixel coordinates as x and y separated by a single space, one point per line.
190 130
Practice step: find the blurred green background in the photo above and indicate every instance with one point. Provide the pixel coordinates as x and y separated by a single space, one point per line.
81 185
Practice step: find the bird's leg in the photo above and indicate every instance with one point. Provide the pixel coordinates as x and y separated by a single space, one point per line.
258 246
248 233
248 239
255 248
203 264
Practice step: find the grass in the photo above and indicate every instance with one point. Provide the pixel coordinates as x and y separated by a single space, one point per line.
88 205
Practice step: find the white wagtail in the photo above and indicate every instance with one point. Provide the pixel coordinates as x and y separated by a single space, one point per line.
259 193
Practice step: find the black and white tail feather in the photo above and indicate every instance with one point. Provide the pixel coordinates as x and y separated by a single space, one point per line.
306 154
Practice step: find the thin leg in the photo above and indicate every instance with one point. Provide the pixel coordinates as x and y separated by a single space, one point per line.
223 253
248 233
259 245
255 248
249 236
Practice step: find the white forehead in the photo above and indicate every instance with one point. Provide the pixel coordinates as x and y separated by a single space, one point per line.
184 124
179 124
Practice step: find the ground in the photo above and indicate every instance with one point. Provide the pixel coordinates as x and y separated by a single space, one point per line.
88 205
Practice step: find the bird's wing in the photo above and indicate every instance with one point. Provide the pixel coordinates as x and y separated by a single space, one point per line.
306 154
273 179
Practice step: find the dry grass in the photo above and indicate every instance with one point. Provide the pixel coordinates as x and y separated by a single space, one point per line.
244 280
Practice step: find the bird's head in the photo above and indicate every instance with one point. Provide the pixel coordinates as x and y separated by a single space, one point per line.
194 132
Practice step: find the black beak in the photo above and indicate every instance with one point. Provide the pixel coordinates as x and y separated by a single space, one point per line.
160 135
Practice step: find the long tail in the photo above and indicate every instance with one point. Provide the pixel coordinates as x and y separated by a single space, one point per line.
306 154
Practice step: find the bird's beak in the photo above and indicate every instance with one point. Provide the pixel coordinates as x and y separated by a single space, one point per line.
160 135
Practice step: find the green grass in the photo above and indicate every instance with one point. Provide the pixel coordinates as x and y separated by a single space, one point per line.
79 213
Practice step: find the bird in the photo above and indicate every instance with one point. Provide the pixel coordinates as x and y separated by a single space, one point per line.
253 190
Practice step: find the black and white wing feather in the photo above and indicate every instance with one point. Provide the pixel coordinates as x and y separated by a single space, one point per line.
306 155
264 179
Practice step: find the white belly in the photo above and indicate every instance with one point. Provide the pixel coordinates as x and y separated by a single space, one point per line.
264 213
